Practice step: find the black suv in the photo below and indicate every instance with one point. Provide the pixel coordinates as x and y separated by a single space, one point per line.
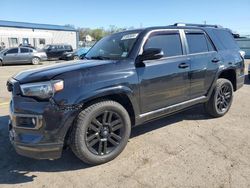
127 79
56 51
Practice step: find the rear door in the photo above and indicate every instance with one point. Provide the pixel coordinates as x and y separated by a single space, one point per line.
51 51
204 61
164 81
25 55
11 56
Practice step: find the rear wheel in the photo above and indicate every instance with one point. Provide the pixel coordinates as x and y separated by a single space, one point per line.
221 98
101 132
35 60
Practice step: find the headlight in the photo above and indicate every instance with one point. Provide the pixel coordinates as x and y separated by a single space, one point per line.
69 55
42 90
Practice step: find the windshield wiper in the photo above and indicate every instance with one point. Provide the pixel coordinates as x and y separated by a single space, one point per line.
99 57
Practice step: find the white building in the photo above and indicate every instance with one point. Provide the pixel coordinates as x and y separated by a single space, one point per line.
13 34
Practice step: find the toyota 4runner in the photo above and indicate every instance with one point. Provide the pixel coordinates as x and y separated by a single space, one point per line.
126 79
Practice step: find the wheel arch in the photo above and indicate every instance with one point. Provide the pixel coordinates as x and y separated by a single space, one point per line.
120 94
229 74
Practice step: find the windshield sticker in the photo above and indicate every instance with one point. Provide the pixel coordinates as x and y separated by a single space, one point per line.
130 36
124 54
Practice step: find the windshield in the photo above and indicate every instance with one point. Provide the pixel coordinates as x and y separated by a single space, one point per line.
116 46
46 47
2 51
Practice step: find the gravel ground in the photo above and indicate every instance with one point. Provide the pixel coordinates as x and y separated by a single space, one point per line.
188 149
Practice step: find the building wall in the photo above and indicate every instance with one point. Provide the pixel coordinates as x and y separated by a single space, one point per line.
33 35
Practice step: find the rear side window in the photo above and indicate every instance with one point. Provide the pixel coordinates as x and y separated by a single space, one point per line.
25 50
197 43
226 39
67 47
170 43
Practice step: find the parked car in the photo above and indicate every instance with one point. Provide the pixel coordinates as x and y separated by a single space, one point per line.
244 44
75 55
56 51
21 55
128 78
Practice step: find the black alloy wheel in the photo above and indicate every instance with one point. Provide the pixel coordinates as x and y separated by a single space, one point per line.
224 97
104 133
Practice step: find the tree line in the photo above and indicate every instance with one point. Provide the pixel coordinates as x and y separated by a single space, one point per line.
98 33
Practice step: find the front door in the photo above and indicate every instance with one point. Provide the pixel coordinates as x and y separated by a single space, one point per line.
11 56
164 82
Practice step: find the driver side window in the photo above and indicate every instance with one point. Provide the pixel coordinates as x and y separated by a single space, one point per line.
170 43
12 51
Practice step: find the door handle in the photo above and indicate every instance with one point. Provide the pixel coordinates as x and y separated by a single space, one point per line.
183 65
215 60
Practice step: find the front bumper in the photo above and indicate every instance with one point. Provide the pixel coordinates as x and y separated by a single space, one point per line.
38 129
28 144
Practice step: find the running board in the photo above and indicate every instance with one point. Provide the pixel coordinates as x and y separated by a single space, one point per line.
171 109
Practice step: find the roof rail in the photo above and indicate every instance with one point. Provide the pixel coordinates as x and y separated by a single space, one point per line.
195 25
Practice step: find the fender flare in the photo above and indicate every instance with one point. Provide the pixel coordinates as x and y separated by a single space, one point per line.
218 73
103 93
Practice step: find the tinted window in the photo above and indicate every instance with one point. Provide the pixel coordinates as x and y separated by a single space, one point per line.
68 47
25 50
197 42
169 43
226 39
12 51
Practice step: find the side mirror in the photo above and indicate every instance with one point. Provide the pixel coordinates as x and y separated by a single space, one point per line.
5 54
151 54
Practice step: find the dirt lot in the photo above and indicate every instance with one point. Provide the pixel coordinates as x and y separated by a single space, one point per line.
185 150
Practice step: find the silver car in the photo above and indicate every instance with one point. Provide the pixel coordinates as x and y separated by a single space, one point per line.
21 55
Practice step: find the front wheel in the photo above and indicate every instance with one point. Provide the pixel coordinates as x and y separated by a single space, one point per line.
35 60
76 57
1 63
221 98
101 132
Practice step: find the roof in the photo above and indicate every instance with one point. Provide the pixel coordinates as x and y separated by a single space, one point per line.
4 23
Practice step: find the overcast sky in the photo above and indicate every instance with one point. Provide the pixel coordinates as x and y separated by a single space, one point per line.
127 13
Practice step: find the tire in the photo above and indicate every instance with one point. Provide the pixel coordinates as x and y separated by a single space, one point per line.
76 57
35 60
221 98
94 130
248 76
1 63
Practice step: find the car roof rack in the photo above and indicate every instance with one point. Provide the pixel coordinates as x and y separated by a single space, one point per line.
196 25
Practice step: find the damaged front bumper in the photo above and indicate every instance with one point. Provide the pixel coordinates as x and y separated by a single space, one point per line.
38 129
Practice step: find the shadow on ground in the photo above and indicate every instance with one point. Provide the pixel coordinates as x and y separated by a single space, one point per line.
14 169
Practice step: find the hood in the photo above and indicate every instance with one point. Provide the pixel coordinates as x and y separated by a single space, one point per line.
48 72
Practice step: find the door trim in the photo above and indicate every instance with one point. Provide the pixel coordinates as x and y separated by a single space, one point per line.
172 108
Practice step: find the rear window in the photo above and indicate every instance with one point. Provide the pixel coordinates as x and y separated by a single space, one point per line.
226 39
197 43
